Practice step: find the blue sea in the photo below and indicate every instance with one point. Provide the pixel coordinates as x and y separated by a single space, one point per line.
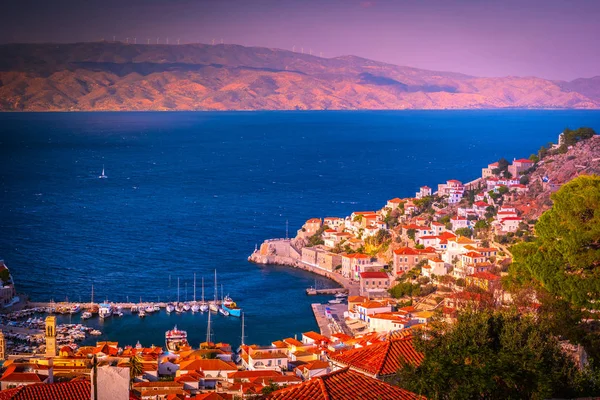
193 192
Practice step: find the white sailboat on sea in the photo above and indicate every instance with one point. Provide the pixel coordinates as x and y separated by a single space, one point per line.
221 309
195 305
102 175
178 306
214 305
203 304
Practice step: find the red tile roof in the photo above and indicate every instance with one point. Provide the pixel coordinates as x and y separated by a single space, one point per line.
374 275
380 358
77 390
409 251
523 161
343 385
314 365
252 374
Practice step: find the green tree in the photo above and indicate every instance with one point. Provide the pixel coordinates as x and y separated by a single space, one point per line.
481 224
135 368
565 257
411 234
464 232
270 388
492 355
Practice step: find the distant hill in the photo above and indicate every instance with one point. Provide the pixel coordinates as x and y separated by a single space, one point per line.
118 76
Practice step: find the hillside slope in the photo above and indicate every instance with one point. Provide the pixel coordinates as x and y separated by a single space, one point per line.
118 76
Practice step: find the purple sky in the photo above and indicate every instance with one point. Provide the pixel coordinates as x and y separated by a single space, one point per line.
555 39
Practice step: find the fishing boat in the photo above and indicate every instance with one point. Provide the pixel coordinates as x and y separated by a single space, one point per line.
232 309
117 312
86 315
170 308
203 304
75 309
149 309
156 307
105 310
102 175
176 339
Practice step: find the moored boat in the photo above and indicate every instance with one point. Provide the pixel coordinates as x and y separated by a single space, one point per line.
86 315
170 308
186 307
105 310
223 312
142 313
75 309
195 307
175 339
232 309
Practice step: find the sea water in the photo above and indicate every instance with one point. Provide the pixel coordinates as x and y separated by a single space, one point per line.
193 192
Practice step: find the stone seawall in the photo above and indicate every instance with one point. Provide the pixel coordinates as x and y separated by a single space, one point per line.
259 258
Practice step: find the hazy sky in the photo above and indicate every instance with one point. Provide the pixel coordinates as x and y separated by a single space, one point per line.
553 39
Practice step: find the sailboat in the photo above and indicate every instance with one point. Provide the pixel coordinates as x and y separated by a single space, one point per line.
195 305
179 306
214 305
186 304
170 307
203 304
222 310
102 175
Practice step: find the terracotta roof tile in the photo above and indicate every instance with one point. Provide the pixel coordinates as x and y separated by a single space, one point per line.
343 385
77 390
381 358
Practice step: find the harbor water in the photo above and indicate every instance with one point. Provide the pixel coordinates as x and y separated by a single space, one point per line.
191 192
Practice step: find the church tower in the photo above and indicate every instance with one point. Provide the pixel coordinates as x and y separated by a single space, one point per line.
51 336
2 346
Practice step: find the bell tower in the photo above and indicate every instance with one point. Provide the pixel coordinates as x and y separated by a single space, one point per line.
51 336
2 346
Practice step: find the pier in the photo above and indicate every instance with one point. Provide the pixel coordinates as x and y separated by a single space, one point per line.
313 292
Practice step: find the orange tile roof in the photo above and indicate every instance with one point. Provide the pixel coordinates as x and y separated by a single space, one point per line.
409 251
267 355
207 365
293 342
356 299
380 358
374 275
343 385
315 336
208 396
355 255
314 365
473 254
252 374
77 390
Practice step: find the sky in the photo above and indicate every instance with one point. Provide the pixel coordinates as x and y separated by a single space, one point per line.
552 39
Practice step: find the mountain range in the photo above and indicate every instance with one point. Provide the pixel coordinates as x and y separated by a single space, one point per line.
102 76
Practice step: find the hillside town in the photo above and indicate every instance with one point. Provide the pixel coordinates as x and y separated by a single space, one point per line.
401 267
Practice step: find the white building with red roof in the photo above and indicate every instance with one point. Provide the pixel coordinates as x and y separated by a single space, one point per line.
374 284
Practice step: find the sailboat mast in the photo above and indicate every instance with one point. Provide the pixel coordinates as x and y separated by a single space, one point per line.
208 338
203 289
243 336
216 290
178 289
194 287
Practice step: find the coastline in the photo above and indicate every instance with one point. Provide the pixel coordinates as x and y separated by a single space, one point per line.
258 257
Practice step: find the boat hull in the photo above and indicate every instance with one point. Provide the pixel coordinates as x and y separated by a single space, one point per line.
236 312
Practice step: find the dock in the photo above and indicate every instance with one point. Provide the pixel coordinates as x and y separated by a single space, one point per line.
314 292
330 318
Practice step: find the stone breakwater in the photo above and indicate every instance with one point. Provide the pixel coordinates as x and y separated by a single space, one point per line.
283 252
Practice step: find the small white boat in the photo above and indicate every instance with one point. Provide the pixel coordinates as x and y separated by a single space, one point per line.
75 309
149 309
341 295
134 309
336 301
95 332
204 307
195 308
102 175
86 315
157 308
170 308
213 307
186 307
179 308
224 312
142 313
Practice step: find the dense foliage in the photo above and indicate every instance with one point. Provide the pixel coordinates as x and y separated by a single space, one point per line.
565 257
493 355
